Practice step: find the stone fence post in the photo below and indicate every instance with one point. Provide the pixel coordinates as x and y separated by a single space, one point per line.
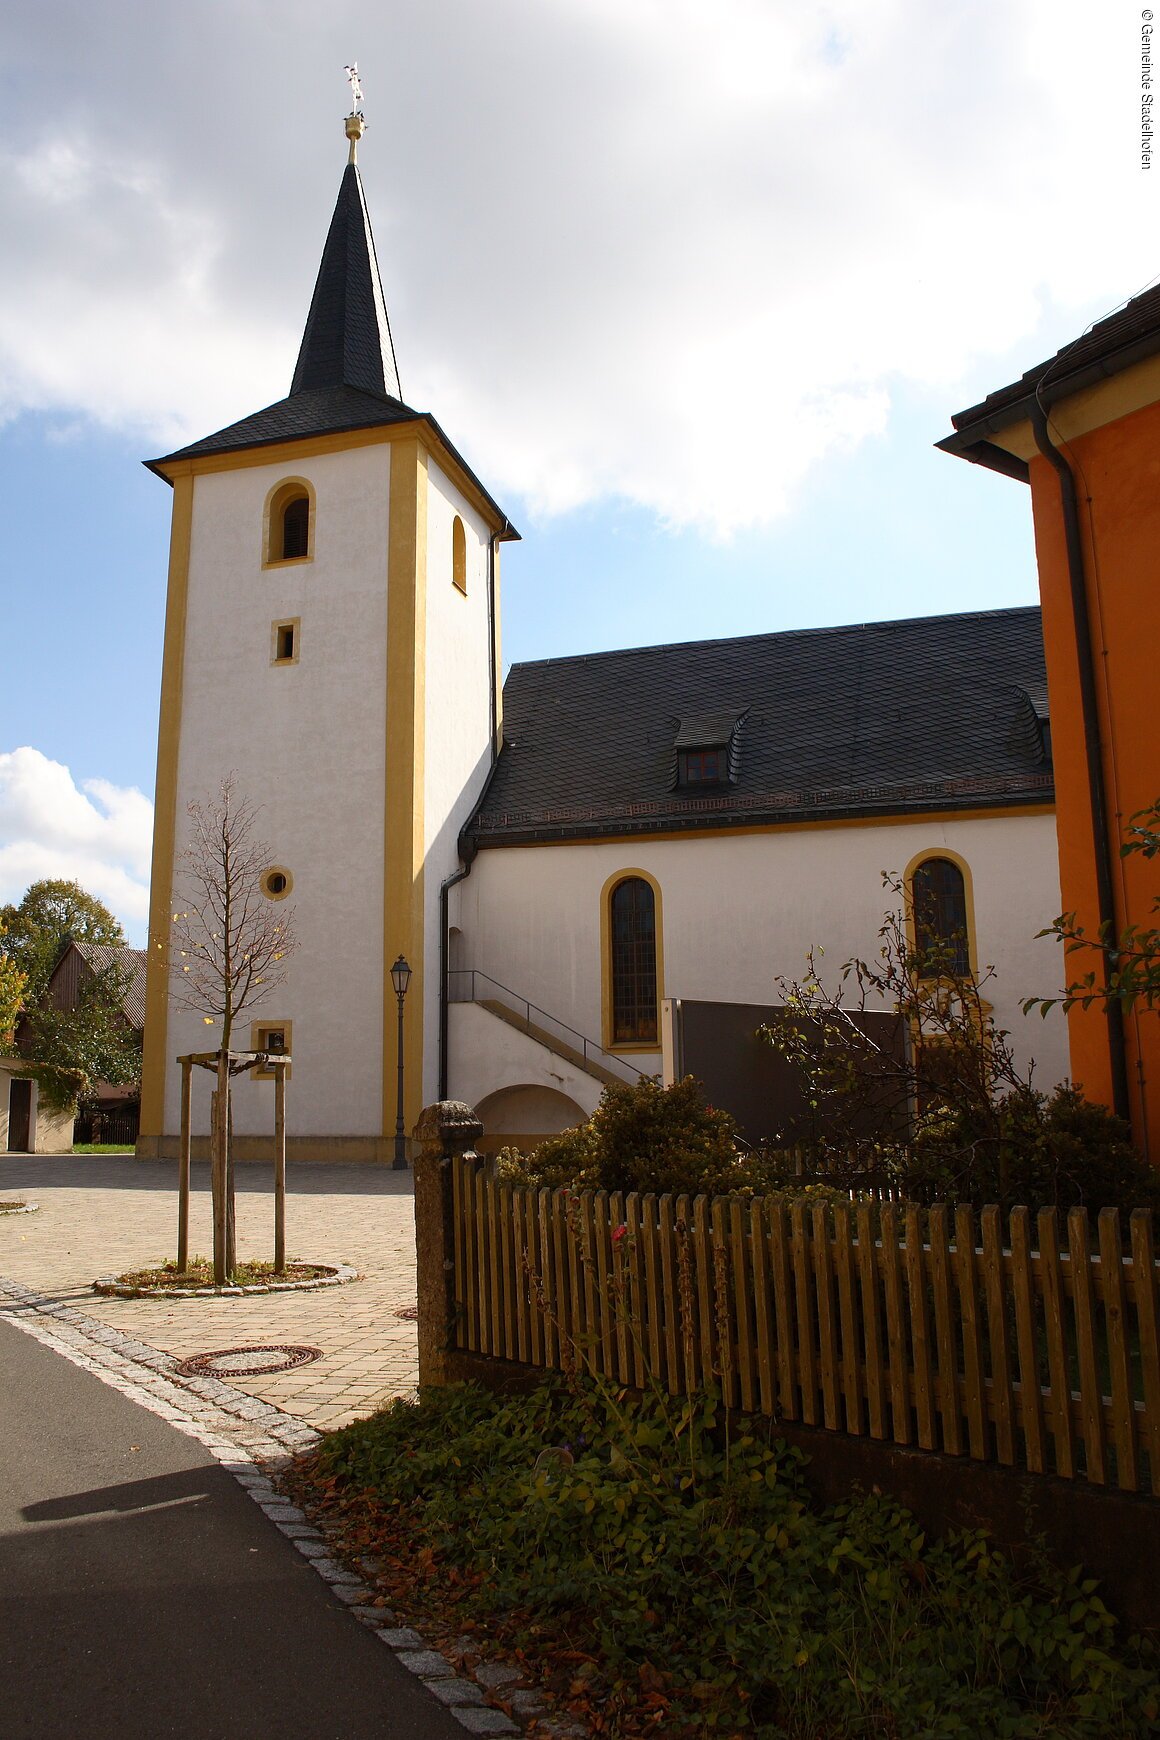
447 1128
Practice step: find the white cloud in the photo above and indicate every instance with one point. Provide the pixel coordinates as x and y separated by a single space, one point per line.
97 834
672 252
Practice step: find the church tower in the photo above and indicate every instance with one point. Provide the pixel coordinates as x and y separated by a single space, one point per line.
331 639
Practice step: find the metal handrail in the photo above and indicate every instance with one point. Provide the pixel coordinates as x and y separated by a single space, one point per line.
587 1048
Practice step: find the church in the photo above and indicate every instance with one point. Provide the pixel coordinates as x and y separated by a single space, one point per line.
571 865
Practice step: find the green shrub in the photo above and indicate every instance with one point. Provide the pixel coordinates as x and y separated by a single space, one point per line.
640 1137
1047 1151
670 1554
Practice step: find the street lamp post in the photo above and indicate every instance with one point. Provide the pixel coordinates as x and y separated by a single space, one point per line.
400 979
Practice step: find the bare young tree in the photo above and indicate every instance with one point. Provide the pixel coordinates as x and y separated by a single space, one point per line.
231 946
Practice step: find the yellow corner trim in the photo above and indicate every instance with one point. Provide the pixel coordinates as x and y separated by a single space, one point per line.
403 811
165 814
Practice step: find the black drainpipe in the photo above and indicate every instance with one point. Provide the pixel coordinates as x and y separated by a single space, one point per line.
467 848
1092 747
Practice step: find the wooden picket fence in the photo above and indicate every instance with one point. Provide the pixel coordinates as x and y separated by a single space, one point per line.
906 1324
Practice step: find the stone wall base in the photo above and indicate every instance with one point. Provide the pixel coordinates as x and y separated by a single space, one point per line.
341 1150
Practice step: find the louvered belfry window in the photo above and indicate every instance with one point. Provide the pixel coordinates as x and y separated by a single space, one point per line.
940 917
634 963
296 528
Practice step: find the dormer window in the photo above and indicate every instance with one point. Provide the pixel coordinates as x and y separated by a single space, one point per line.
706 750
702 766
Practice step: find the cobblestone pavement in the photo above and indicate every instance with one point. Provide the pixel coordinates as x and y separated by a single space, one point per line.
102 1214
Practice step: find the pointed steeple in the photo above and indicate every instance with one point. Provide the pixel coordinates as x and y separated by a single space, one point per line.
347 342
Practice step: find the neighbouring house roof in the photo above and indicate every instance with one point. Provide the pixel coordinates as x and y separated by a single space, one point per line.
868 720
98 956
1126 337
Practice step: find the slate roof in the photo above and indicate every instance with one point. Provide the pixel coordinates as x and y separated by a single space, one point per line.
881 718
321 411
346 377
347 340
1126 337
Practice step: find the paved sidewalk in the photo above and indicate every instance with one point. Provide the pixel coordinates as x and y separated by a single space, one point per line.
103 1214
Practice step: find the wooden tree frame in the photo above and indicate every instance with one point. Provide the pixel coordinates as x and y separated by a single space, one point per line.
223 1065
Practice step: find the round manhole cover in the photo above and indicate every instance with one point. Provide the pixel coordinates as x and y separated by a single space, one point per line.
235 1362
409 1313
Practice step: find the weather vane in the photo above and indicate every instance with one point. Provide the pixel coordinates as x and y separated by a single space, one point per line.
354 121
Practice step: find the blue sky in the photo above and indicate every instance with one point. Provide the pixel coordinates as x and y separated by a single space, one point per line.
694 287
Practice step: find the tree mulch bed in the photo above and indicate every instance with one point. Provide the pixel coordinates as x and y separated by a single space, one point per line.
16 1207
195 1281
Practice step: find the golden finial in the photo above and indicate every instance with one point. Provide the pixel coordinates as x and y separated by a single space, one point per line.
355 122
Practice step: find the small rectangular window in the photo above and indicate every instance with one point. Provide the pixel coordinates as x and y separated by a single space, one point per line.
285 642
273 1037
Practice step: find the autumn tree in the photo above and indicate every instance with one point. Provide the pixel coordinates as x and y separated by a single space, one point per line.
939 1107
942 1065
12 987
67 1050
70 1050
231 944
53 913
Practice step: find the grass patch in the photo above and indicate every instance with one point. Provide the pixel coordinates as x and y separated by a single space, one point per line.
102 1148
199 1273
678 1581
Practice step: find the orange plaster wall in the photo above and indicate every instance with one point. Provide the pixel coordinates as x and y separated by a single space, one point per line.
1118 483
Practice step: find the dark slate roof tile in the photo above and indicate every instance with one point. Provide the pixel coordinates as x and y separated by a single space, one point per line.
321 411
1126 336
890 716
98 956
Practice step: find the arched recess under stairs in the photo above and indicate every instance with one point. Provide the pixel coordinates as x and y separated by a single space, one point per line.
521 1117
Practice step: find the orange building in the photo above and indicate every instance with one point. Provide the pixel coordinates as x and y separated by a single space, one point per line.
1083 429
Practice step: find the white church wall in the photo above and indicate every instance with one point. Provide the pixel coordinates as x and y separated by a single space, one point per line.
307 744
489 1058
739 910
457 714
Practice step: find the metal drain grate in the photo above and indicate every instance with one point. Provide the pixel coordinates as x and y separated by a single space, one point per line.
241 1362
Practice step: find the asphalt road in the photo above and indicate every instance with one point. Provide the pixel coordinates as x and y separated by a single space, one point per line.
142 1594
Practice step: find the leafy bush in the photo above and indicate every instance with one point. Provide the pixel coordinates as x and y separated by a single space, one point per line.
1045 1151
640 1137
695 1568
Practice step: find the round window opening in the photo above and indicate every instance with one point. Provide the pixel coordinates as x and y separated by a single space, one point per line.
276 883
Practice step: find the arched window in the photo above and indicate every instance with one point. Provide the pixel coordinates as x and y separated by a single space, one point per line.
458 555
289 522
632 962
295 528
941 935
